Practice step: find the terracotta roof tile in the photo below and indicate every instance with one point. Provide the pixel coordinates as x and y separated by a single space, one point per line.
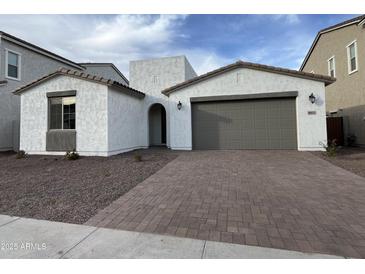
81 75
241 64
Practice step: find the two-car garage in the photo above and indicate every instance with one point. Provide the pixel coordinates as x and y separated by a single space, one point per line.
249 106
264 123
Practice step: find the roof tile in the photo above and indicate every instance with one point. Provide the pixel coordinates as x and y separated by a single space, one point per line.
241 64
81 75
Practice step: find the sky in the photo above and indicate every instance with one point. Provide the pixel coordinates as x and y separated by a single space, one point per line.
208 41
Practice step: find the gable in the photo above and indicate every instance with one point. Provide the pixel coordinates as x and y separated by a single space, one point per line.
352 22
251 66
330 44
246 81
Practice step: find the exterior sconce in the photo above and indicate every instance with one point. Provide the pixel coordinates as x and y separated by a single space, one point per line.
312 98
179 105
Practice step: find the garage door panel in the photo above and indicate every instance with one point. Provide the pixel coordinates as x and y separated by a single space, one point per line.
245 124
260 124
287 123
275 143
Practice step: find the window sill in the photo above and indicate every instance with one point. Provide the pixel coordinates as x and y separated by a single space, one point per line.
352 72
61 130
14 79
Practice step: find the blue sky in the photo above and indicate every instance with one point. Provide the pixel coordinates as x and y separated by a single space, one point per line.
209 41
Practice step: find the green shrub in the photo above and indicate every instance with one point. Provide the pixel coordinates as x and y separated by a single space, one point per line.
330 147
72 155
21 154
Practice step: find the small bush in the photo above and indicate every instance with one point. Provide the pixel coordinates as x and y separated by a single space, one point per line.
138 158
21 154
72 155
330 147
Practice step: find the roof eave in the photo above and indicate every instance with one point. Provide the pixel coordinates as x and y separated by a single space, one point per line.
128 91
106 64
326 30
239 64
21 90
38 49
83 76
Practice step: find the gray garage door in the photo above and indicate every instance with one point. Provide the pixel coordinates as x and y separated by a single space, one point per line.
245 124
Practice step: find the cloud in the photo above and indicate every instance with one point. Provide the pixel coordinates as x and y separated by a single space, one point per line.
205 61
287 18
288 54
96 38
122 38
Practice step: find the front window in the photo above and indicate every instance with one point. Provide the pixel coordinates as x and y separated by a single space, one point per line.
13 65
62 113
352 57
331 67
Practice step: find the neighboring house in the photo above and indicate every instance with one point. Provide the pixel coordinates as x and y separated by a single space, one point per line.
105 70
339 51
20 63
239 106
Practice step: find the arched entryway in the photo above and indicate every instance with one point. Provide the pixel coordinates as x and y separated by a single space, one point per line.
157 125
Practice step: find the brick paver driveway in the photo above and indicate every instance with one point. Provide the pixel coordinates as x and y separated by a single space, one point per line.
281 199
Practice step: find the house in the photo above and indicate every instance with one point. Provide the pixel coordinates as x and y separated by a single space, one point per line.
105 70
21 62
339 51
239 106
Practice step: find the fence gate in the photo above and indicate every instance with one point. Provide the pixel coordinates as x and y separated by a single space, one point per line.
335 130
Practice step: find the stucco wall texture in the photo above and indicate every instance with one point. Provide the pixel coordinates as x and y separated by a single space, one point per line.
91 116
110 122
107 121
125 114
349 89
347 95
311 129
151 77
106 71
33 66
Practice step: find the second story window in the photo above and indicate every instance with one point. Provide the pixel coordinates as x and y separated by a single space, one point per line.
352 57
12 65
331 67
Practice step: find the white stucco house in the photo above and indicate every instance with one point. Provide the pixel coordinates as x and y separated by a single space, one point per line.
239 106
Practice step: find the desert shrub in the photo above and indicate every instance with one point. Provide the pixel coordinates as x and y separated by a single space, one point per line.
138 157
330 147
72 155
21 154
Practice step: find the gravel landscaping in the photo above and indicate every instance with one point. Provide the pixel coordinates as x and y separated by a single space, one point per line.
53 188
349 158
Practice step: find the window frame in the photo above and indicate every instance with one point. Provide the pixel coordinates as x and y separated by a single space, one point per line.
62 113
329 66
349 57
19 64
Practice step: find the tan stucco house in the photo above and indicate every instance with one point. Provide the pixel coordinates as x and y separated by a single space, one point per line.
339 51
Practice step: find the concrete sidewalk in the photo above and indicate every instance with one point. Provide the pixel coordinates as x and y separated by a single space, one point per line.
30 238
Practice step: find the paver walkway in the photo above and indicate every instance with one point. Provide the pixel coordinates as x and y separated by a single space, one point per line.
280 199
31 238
